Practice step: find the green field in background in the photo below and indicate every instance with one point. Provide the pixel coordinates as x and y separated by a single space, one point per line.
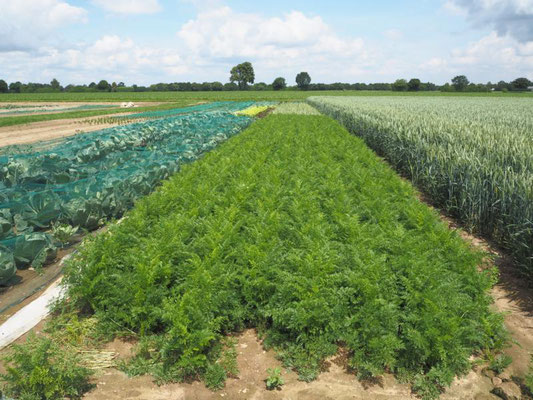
285 95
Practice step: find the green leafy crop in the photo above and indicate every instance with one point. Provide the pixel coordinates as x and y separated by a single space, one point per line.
296 228
40 370
274 379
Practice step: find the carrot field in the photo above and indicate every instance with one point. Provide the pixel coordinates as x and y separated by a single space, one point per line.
295 228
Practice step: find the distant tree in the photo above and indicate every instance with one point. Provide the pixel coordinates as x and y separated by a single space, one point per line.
303 80
230 86
121 84
114 87
428 86
243 74
414 85
92 85
196 87
520 84
260 86
15 87
206 87
501 85
55 84
217 86
103 85
400 85
460 83
3 86
279 83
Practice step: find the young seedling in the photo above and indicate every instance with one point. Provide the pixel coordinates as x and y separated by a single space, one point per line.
63 233
274 379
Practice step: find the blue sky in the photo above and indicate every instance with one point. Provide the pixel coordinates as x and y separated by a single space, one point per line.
149 41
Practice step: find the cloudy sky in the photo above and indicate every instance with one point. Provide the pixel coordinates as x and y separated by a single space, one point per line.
149 41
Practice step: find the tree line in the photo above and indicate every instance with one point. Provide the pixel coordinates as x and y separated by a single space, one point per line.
242 77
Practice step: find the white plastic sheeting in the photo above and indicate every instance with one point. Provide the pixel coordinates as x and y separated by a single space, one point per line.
30 315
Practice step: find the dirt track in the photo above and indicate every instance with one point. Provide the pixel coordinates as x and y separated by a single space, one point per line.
59 107
48 130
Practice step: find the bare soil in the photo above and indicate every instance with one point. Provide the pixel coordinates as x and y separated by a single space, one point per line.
49 130
54 108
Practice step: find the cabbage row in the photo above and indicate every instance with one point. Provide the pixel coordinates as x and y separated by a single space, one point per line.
95 176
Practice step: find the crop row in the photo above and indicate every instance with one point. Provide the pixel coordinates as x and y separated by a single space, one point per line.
473 157
95 176
296 228
296 108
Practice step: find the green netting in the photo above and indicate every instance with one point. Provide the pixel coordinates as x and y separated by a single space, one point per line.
98 175
227 106
30 148
7 264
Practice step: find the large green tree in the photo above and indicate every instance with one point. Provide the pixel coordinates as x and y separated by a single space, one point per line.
400 85
3 86
279 83
414 85
243 74
521 84
55 84
460 82
303 80
103 85
15 87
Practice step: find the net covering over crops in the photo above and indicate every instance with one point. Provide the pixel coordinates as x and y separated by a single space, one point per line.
296 228
97 175
472 156
226 106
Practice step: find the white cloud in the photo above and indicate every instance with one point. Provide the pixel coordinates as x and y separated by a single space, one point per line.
493 57
393 34
129 6
286 43
111 57
25 24
513 17
218 37
209 46
496 52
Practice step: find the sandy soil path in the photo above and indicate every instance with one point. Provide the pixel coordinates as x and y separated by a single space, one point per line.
29 108
49 130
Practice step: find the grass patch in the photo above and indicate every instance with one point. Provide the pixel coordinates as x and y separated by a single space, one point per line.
247 95
298 229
